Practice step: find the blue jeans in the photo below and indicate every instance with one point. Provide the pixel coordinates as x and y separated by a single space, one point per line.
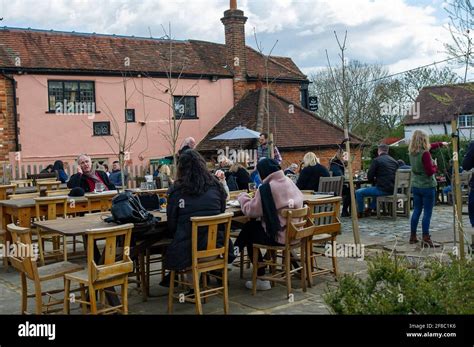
365 193
423 200
470 206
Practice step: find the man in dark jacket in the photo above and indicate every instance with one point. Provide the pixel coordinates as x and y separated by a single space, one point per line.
86 178
468 164
381 175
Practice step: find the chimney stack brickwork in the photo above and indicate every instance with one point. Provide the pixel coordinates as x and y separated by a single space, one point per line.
236 57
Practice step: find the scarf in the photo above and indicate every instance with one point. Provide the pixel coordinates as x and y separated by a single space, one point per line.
92 175
265 168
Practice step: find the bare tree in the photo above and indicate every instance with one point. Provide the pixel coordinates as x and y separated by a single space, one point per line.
342 85
123 141
175 107
461 15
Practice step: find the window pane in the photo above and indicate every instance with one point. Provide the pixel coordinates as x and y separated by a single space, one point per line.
190 106
71 91
101 128
130 115
185 107
55 93
469 121
462 121
87 92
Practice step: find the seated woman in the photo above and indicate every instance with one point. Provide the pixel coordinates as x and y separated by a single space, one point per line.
276 193
47 169
59 168
312 171
242 177
196 192
86 177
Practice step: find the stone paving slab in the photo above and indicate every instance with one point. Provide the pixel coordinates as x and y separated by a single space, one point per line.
384 235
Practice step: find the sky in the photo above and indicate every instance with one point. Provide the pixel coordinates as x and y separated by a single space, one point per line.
400 34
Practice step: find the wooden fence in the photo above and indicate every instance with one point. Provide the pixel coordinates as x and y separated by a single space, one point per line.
134 173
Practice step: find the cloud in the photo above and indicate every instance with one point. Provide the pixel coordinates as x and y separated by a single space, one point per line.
401 34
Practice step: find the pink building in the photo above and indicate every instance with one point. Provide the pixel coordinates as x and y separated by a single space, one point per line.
63 93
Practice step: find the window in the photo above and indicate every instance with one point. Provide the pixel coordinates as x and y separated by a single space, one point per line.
130 115
101 128
466 121
71 96
304 96
185 107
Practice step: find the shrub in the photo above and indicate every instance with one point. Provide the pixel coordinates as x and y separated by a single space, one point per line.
394 287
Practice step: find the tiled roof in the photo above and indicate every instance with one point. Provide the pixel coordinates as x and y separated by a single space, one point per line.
293 126
59 51
439 104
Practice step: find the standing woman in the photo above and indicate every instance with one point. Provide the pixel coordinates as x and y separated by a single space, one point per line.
423 184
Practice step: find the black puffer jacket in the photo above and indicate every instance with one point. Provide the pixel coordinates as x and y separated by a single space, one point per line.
180 208
382 172
80 180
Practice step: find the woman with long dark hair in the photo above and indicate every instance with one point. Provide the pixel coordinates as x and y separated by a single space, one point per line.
196 192
59 168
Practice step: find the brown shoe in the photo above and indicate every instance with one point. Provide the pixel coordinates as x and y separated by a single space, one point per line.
428 242
413 239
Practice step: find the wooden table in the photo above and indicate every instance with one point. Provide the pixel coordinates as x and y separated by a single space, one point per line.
24 209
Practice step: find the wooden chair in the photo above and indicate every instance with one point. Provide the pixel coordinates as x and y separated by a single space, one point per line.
49 185
22 183
99 277
23 196
307 191
213 258
464 179
47 209
104 201
401 195
324 214
299 229
153 254
58 192
24 261
5 189
331 185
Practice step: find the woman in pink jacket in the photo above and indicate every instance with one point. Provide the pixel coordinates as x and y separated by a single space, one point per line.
277 192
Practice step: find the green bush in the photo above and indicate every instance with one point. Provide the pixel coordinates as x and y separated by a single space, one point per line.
393 286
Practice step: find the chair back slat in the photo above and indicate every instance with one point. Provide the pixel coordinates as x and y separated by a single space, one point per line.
331 185
402 181
23 196
298 225
22 183
114 264
58 192
324 213
210 224
47 207
23 258
4 189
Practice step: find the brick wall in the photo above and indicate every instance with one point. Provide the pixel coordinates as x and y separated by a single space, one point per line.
289 91
324 155
7 125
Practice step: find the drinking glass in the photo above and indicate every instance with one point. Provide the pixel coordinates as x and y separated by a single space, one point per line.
99 187
252 187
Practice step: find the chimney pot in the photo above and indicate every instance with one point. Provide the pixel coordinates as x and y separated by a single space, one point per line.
233 4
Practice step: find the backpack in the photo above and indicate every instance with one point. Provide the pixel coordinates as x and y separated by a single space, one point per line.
232 183
126 208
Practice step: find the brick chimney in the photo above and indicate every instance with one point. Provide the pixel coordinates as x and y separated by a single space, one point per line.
236 55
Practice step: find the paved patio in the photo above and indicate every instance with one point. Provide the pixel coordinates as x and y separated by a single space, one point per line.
376 235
